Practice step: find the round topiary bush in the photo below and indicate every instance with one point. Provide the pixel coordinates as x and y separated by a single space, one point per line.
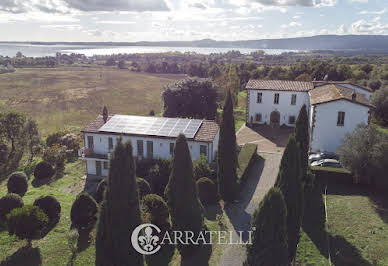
207 190
50 206
84 212
154 209
43 170
17 183
101 190
143 187
8 203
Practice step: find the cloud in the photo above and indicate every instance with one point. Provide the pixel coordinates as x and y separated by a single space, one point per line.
373 12
62 27
117 22
118 5
369 27
305 3
291 24
198 5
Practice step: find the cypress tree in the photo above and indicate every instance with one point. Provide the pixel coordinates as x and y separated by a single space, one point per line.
233 83
227 154
290 184
182 198
269 240
120 212
302 137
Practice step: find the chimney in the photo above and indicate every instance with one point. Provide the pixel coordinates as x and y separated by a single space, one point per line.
354 95
105 114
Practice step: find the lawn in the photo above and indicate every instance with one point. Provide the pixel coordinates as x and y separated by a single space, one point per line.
72 96
357 230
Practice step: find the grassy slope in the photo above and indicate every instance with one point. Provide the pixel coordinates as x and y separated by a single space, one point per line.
72 96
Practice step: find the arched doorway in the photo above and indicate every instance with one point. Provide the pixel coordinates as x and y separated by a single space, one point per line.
275 119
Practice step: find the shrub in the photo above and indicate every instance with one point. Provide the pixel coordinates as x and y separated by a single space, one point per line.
201 168
84 212
55 155
156 172
8 203
328 175
43 170
207 190
27 222
50 206
246 159
101 190
143 187
17 183
55 138
380 100
154 209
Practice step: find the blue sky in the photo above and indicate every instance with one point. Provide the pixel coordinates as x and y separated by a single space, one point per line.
155 20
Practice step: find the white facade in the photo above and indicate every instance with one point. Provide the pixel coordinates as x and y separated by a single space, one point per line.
268 105
326 134
160 147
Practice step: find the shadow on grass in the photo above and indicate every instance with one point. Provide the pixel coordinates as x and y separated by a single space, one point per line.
200 257
236 211
380 204
26 256
84 240
344 253
211 211
41 182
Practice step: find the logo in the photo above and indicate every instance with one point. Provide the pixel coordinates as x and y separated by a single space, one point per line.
146 244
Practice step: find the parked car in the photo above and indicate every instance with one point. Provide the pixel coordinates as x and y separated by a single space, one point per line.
322 155
327 163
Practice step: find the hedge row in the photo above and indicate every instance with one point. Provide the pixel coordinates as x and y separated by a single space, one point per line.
246 159
328 175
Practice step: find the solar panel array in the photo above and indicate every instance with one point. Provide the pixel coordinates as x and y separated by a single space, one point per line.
154 126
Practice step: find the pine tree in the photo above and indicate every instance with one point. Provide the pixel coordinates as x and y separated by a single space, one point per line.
302 138
227 154
233 83
290 184
182 198
269 240
120 213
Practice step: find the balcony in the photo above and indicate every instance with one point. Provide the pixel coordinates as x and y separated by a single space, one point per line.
87 153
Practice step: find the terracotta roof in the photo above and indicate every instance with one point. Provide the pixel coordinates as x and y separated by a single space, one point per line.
207 131
333 92
279 85
322 83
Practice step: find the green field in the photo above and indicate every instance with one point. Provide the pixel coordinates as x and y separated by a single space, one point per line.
72 96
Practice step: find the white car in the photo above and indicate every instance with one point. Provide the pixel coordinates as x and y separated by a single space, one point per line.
327 163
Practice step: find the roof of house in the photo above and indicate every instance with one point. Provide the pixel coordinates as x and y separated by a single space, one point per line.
205 133
333 92
280 85
321 83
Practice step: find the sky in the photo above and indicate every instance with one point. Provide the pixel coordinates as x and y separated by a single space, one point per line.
183 20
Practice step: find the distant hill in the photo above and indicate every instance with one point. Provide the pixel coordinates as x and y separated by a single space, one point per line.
320 42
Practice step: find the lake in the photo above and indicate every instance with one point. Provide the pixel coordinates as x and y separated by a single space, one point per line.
32 50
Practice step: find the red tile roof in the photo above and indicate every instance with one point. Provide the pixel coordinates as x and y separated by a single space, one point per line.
321 83
93 126
279 85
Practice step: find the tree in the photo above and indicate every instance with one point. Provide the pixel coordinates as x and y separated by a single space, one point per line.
43 170
290 184
233 84
303 77
269 239
380 100
17 183
83 213
51 207
227 153
302 138
120 211
181 193
121 64
8 203
207 190
32 134
27 222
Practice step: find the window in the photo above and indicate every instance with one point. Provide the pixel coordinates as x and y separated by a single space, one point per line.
90 142
203 150
276 98
106 166
291 120
259 97
258 117
150 149
172 148
140 148
293 99
110 143
341 119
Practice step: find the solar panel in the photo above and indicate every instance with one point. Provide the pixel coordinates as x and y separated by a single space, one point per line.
155 126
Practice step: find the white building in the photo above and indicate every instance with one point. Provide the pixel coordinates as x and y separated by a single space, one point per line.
334 108
151 137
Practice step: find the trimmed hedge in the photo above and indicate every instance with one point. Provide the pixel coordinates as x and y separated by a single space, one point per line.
154 209
143 187
17 183
84 212
43 170
207 190
8 203
50 206
99 196
246 159
328 175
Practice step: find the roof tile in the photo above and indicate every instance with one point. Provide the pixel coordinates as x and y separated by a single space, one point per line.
280 85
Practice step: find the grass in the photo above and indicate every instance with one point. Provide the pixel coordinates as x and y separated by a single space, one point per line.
72 96
357 230
53 248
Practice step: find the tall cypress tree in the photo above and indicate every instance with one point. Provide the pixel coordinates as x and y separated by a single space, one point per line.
181 192
290 184
233 83
227 153
269 240
120 213
302 137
